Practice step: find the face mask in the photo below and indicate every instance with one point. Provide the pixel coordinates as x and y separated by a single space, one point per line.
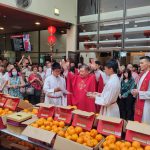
14 73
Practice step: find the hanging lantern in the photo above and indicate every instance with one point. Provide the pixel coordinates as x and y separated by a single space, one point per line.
147 33
51 39
117 35
51 29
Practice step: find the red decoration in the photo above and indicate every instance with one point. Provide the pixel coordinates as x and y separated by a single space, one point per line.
147 33
117 35
51 39
51 29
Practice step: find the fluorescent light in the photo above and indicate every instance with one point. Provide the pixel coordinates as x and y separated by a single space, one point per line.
37 23
1 28
56 11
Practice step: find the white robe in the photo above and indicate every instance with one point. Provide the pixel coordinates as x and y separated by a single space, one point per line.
50 84
146 96
103 74
109 96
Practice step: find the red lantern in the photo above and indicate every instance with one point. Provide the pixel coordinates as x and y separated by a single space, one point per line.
51 29
51 39
147 33
117 35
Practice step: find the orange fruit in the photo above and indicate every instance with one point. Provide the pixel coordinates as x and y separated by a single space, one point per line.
82 134
61 124
93 133
140 148
86 138
42 127
99 137
68 137
35 125
60 128
50 119
124 148
66 134
26 110
74 137
112 146
55 123
90 143
71 131
132 148
136 144
78 130
80 140
106 148
127 144
147 147
40 122
95 142
87 133
85 144
61 133
46 123
48 128
111 138
105 144
118 143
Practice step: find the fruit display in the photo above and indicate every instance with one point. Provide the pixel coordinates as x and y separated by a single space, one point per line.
49 124
77 134
5 111
111 143
34 111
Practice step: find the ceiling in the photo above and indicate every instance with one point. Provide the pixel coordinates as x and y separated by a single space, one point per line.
16 21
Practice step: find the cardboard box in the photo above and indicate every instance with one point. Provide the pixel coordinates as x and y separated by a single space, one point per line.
2 100
110 125
83 119
24 105
63 143
138 132
39 134
11 102
45 110
63 114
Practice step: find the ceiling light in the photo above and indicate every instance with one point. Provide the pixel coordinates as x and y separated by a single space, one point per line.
1 28
56 11
37 23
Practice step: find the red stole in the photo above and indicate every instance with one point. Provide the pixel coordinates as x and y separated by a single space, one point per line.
139 106
100 84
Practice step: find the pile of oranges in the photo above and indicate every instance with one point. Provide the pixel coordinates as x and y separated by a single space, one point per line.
76 134
49 124
112 144
34 111
5 111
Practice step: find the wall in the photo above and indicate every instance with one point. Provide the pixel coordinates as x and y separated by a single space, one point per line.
46 8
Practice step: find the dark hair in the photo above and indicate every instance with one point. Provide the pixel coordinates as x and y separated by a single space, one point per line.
98 63
18 70
136 66
41 67
112 64
129 74
56 65
145 57
34 66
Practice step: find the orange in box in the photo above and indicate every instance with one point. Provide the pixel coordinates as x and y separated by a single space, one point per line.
63 114
83 119
45 110
138 132
110 125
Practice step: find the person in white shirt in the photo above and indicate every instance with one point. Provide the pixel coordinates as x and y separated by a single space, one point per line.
41 72
55 87
142 107
108 98
48 70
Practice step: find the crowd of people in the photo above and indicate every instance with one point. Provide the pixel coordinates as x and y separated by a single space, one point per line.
111 90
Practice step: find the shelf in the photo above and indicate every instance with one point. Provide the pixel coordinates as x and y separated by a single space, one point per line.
24 138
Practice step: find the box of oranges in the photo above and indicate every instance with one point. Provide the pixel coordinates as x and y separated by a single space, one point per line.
44 130
63 114
77 138
111 143
110 125
83 119
45 110
138 132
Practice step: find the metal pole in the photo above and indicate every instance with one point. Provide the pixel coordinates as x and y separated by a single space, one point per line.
39 46
124 26
98 23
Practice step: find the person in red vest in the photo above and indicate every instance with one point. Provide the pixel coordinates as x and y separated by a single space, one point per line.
142 107
79 86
